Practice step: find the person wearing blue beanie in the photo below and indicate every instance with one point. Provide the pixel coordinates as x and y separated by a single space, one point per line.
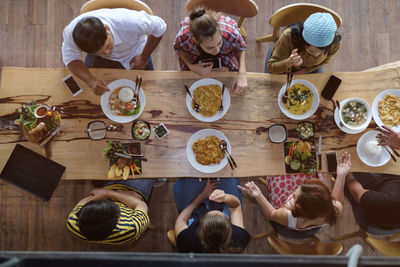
304 47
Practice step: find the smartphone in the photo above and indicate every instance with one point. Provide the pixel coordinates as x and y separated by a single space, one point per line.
216 62
331 161
331 87
72 85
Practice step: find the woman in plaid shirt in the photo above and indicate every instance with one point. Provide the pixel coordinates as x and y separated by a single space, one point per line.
205 38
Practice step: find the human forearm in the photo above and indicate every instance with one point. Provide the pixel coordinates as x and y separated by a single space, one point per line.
151 44
266 208
184 216
185 57
128 199
231 201
338 188
78 68
354 187
242 62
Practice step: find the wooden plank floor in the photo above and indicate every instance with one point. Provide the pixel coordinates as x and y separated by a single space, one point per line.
31 36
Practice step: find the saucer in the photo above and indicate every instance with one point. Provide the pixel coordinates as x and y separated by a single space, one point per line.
344 128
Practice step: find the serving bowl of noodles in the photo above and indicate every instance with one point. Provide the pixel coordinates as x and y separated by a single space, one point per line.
208 95
302 102
117 104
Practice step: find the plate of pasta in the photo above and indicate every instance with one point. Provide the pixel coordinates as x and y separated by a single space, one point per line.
209 96
203 151
120 104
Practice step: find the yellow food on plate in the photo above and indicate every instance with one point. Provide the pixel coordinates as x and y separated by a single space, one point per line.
389 110
208 151
300 99
209 98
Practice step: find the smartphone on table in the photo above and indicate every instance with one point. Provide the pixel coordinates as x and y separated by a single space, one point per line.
331 162
72 85
331 87
216 62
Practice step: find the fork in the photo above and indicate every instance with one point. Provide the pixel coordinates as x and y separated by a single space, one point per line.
197 108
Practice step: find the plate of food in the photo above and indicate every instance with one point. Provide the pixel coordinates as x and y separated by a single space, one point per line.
207 93
119 104
369 152
121 167
302 102
355 113
204 153
300 157
386 109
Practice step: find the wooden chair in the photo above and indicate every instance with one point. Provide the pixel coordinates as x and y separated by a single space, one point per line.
294 13
129 4
241 8
385 247
172 237
310 246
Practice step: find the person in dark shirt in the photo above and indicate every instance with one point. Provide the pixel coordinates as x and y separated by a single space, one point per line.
210 219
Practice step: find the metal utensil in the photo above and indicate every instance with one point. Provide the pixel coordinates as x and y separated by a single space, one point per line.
224 146
393 158
110 128
338 104
380 138
289 78
197 108
319 152
222 95
56 131
130 156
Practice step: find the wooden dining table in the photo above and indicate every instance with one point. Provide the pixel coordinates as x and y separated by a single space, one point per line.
245 124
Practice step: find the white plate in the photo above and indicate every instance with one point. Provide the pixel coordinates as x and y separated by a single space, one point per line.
314 105
375 111
106 108
344 128
192 157
369 160
226 100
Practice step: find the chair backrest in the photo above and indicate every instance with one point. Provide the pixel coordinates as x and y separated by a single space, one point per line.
240 8
387 248
172 237
297 12
129 4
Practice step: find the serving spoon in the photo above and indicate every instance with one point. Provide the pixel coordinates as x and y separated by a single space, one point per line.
223 145
110 128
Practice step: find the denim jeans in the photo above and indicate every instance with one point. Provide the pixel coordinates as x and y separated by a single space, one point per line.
93 61
144 186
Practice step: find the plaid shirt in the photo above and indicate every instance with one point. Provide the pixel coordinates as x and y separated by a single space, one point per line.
232 43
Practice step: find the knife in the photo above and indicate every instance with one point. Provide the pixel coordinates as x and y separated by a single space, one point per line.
122 155
319 152
56 131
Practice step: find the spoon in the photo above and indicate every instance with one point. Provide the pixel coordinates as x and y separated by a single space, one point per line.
197 108
223 145
289 78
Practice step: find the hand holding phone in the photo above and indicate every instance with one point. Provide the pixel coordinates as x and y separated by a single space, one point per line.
216 62
330 87
72 85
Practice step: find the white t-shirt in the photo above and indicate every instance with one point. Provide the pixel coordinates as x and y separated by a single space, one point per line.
129 28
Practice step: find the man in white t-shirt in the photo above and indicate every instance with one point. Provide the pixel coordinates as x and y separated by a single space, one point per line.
113 38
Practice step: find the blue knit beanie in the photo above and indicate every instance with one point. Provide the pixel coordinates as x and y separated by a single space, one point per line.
319 29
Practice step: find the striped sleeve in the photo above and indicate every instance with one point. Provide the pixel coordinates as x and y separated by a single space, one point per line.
72 222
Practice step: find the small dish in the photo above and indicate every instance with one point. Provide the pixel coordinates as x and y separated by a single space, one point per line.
358 101
277 133
160 131
344 128
140 130
41 111
305 130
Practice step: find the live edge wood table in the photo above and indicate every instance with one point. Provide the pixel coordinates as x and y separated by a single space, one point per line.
245 124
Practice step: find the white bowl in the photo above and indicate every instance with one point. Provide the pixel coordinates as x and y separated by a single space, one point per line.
226 100
369 113
106 108
374 161
314 105
192 157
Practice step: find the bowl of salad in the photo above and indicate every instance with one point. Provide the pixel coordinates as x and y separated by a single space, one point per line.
355 113
141 130
305 130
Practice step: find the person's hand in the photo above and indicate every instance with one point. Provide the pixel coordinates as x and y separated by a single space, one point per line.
389 138
99 87
217 195
344 165
139 62
99 193
251 189
294 59
210 186
201 68
239 83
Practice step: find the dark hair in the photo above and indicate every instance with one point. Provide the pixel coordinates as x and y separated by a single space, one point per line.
315 201
89 34
215 232
202 25
97 219
301 44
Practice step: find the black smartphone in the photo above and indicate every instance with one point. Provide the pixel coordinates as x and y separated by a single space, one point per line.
72 85
331 161
216 62
331 87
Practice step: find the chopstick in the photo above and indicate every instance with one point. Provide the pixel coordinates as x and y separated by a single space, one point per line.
393 158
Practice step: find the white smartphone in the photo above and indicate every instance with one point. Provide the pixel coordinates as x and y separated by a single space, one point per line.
72 85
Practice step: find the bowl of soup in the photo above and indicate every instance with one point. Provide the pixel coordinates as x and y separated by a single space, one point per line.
355 113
